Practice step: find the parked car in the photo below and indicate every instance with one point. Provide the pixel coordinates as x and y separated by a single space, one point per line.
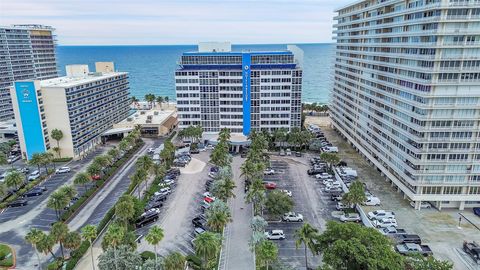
95 177
33 192
34 175
17 203
315 171
24 170
330 149
153 204
269 171
329 181
287 192
209 199
148 217
476 211
333 185
380 214
282 152
243 154
289 152
195 151
410 248
473 250
337 196
270 185
151 150
423 205
391 231
386 222
333 188
198 231
12 159
298 154
63 170
159 197
350 217
199 222
163 191
372 201
275 235
341 206
324 176
292 216
407 238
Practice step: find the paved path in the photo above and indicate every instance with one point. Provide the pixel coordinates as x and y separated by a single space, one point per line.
236 252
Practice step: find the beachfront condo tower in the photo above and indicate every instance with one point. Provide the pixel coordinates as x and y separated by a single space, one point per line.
239 90
406 94
26 52
82 104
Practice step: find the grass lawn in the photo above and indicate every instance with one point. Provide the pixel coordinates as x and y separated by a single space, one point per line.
6 256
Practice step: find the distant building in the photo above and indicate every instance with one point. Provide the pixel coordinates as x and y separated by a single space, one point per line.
83 105
243 91
26 52
407 94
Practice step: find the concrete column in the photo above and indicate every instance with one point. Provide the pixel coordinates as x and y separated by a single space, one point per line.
417 205
461 206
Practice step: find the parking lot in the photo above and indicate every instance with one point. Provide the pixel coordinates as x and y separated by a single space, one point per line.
310 201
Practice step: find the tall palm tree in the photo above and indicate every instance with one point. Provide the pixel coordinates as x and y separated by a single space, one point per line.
330 158
125 209
89 233
36 160
123 145
267 252
207 245
102 160
47 159
114 153
134 101
33 237
14 179
280 136
154 236
46 244
57 135
160 100
223 189
3 190
73 240
256 195
57 201
174 261
59 232
159 170
94 169
139 177
145 163
69 191
113 238
217 220
306 235
82 179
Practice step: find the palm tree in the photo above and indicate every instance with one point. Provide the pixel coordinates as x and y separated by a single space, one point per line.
113 153
82 179
207 245
69 191
159 170
57 201
134 101
306 235
113 238
94 169
59 232
36 160
167 99
267 252
145 163
123 145
125 209
355 194
330 158
174 261
154 236
46 244
217 220
139 177
57 135
150 98
33 237
89 233
73 240
256 195
160 100
3 190
280 136
102 161
223 189
14 179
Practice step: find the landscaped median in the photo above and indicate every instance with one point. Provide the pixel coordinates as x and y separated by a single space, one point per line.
7 257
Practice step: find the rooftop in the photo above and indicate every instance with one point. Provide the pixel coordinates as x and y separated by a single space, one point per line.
150 117
67 81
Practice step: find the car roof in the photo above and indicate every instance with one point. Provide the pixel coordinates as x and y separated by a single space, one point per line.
277 231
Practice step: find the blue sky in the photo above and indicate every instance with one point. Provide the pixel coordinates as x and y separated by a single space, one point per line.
104 22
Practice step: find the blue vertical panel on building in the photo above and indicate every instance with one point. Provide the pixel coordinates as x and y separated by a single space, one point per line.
30 117
246 93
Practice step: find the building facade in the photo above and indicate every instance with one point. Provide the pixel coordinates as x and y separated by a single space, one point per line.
407 94
243 91
83 105
26 52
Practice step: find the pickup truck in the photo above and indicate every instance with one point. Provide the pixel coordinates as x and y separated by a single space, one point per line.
407 238
391 231
410 248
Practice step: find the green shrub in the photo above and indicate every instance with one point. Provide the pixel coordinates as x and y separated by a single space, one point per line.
77 255
55 265
147 255
64 159
194 261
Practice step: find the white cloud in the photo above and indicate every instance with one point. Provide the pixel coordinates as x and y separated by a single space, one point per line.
177 22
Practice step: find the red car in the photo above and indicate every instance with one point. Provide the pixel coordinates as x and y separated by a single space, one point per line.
209 199
96 177
270 185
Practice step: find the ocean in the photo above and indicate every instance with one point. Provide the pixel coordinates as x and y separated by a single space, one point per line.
152 68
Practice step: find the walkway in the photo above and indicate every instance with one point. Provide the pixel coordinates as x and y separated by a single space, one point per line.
236 252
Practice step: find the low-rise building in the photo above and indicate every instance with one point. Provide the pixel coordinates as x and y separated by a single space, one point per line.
83 105
153 123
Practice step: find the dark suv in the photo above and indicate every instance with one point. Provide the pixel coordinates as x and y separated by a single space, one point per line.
17 203
146 219
153 204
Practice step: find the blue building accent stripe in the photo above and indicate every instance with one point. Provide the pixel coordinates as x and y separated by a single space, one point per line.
246 60
30 118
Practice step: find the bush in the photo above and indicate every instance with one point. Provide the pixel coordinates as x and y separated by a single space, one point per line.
77 255
194 261
64 159
147 255
4 251
55 265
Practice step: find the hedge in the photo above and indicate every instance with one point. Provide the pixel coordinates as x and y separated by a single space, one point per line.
63 159
147 255
77 254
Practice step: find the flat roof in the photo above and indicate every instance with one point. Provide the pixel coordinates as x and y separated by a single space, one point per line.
237 53
114 131
156 117
66 82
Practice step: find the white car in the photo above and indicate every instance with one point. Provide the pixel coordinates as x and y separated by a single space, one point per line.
350 217
333 188
288 192
384 223
323 176
209 147
63 170
151 150
380 214
372 201
275 235
163 191
326 181
289 152
341 206
34 175
151 211
334 185
12 159
425 205
212 175
292 216
269 171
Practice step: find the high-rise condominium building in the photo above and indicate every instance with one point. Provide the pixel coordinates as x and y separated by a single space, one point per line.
243 91
83 105
407 94
26 52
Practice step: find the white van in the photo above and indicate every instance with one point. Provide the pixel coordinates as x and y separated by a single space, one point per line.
330 149
34 175
372 201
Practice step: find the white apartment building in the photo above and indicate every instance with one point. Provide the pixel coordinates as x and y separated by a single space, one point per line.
26 52
83 105
407 94
243 91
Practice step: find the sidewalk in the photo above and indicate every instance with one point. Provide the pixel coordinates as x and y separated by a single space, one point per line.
236 251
